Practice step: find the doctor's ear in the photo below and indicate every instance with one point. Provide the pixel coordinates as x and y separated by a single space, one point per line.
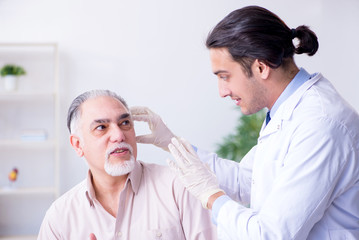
260 69
76 144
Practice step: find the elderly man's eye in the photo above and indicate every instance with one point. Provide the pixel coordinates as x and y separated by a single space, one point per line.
100 127
126 124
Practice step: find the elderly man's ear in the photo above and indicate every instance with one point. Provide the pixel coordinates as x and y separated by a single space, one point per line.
76 144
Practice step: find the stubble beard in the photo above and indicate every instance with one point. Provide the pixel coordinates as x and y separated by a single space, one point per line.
258 102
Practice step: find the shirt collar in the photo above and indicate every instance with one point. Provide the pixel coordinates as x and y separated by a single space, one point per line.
135 176
90 192
301 77
133 179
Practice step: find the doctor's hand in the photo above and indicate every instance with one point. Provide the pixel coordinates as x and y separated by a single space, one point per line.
92 237
193 173
160 134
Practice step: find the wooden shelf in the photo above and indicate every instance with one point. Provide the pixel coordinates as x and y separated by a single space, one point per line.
20 191
21 96
24 144
19 238
29 138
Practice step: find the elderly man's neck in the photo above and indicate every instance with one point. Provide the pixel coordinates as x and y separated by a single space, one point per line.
107 189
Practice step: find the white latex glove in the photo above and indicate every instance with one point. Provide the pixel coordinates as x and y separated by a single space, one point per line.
160 134
194 174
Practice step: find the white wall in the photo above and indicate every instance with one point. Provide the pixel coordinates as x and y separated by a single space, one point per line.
152 53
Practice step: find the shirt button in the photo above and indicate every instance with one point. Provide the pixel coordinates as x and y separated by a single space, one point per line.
158 234
119 234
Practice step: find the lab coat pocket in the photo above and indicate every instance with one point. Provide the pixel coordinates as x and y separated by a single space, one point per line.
278 164
344 234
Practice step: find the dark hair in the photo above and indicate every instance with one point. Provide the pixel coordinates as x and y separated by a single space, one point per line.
254 32
74 111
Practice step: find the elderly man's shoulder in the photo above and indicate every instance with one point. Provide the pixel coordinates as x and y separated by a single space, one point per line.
73 196
159 173
63 206
154 168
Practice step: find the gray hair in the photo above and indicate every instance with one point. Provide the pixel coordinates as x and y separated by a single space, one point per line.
74 112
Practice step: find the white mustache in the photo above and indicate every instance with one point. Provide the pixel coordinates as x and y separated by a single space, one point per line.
119 145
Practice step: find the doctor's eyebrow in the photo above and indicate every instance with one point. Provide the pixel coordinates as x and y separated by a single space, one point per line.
220 71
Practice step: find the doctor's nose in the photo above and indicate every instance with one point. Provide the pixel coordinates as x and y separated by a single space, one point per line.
117 135
223 90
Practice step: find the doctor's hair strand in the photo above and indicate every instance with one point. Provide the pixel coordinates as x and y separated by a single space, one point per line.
254 32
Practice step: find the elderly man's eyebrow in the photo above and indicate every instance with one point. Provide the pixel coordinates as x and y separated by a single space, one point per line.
99 121
106 120
124 115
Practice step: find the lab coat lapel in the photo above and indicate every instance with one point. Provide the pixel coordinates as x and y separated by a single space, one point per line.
285 111
270 149
273 126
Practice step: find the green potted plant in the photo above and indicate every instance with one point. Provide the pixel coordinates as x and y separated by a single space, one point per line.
243 138
10 73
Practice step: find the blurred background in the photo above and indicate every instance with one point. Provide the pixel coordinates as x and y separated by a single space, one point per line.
153 54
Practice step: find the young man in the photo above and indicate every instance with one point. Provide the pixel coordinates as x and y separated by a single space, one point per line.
301 181
122 198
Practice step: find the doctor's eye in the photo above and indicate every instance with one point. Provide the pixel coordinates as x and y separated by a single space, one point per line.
223 77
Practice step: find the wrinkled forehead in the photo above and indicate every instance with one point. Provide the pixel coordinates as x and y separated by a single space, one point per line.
103 106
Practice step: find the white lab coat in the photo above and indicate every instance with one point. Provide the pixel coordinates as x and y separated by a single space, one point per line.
301 180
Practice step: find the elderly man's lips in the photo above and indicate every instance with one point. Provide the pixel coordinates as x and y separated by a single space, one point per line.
120 151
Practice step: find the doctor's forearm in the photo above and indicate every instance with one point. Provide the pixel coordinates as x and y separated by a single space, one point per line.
213 198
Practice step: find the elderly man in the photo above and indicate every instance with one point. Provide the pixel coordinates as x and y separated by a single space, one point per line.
122 198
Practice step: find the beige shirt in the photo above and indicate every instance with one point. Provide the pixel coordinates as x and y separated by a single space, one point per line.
153 205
